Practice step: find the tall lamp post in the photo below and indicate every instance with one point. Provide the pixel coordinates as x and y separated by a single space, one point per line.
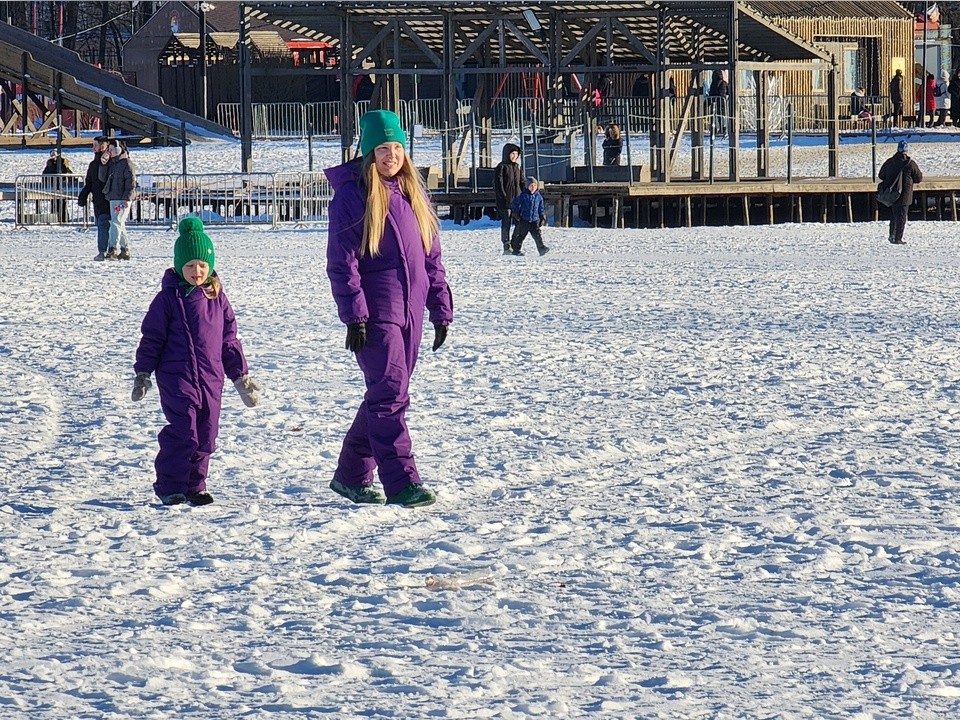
202 9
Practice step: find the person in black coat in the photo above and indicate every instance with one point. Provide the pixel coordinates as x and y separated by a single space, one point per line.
93 190
57 165
953 87
718 93
612 145
896 98
507 185
900 163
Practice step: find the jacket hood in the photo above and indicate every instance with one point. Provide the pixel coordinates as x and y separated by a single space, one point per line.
348 173
170 279
509 148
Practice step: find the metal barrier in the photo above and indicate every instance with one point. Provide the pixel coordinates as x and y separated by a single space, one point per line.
323 117
152 204
48 200
228 115
425 112
274 121
217 198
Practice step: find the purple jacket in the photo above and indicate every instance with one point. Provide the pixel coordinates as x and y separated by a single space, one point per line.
397 284
189 341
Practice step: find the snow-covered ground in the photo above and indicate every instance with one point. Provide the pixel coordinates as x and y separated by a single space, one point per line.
702 473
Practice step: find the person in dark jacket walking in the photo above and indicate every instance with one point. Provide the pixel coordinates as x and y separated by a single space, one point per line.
119 177
189 342
903 165
507 184
385 269
529 212
93 190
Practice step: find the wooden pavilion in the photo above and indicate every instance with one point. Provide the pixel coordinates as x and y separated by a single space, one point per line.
674 42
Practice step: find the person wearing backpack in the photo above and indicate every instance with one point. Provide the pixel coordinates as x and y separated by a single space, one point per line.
900 167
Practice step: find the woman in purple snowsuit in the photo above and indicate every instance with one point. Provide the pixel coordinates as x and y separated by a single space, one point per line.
383 261
190 341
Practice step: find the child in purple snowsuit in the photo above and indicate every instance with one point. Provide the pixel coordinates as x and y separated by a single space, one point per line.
383 261
190 342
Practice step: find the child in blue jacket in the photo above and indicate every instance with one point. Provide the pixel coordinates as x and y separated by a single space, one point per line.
529 214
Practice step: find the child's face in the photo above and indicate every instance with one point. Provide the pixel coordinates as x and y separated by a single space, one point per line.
532 187
196 272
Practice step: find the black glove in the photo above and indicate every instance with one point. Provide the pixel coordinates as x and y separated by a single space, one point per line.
515 217
141 383
543 221
356 336
439 335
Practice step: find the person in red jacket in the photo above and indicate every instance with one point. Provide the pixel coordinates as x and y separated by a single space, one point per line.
926 101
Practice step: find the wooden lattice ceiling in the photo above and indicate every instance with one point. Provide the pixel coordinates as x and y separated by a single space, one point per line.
627 35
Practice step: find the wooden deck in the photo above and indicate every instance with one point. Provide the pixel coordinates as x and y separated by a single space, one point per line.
14 142
686 203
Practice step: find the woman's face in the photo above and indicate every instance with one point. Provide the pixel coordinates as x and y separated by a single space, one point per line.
389 158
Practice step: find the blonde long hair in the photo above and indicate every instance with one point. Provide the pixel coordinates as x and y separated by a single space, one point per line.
378 202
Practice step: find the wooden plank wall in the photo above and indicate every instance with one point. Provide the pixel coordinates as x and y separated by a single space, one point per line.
895 36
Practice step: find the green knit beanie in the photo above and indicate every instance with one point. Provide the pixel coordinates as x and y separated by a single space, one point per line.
378 127
192 244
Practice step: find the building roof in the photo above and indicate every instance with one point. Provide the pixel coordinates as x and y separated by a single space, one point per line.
696 31
225 17
833 9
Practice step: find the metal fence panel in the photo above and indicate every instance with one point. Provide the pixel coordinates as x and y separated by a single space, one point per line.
48 200
323 117
217 198
154 203
427 112
228 115
227 198
302 197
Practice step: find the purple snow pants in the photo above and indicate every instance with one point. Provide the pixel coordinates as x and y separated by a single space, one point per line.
379 437
186 444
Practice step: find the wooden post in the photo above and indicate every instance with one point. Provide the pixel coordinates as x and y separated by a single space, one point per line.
246 106
833 129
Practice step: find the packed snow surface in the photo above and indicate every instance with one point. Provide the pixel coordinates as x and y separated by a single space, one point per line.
696 474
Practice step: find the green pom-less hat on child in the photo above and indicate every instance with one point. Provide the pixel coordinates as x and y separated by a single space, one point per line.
192 243
378 127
